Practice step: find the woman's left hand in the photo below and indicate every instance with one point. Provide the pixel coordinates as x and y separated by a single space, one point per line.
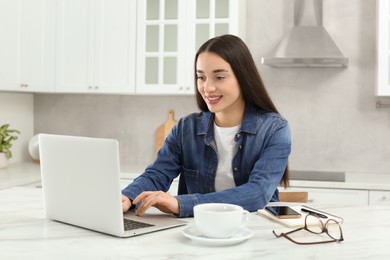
158 199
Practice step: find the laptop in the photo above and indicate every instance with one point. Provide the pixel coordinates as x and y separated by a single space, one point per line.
81 187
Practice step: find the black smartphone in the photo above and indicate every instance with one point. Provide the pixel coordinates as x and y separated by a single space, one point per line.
283 212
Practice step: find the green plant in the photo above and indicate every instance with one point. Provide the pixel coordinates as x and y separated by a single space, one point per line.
6 138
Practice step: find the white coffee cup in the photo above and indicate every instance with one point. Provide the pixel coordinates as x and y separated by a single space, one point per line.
219 220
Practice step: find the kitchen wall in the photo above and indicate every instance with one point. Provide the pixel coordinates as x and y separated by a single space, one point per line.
17 111
335 124
132 120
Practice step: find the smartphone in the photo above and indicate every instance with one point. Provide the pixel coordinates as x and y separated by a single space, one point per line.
283 212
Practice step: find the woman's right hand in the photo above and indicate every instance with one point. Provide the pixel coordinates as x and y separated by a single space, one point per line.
126 203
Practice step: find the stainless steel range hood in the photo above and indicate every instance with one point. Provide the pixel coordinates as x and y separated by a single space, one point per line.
308 44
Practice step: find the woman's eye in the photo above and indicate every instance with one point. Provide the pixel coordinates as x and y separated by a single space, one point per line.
220 77
200 77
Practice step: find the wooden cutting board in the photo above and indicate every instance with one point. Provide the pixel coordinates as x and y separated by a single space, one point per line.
163 131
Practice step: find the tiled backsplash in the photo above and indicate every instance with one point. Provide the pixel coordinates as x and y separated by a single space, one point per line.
132 120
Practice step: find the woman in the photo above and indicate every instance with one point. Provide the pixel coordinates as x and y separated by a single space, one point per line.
234 151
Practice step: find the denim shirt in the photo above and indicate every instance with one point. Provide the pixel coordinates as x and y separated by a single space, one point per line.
190 152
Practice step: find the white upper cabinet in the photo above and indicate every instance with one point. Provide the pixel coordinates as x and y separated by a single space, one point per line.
383 48
96 46
109 46
27 45
169 33
161 38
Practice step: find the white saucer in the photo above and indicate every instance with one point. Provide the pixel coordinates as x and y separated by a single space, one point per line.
193 233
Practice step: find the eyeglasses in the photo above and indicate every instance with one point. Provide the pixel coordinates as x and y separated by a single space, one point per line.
331 227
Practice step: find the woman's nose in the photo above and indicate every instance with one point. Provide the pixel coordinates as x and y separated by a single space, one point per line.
208 86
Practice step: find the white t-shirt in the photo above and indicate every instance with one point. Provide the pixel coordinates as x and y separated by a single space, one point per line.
224 138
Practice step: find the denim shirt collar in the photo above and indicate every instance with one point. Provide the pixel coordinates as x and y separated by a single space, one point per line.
249 123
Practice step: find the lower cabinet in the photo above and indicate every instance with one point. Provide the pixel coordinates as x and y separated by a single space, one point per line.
334 196
379 198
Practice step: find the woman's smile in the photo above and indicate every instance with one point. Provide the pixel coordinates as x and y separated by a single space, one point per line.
212 100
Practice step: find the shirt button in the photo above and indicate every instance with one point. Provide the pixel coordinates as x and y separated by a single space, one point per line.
235 169
240 147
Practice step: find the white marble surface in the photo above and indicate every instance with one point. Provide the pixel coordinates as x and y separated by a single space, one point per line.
18 174
25 233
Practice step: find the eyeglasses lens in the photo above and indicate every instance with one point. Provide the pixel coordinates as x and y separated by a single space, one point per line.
334 230
314 224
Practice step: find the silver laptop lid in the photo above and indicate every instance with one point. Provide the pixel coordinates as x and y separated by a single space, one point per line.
80 181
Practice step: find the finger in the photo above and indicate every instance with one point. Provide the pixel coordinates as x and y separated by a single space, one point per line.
142 196
146 203
141 199
149 199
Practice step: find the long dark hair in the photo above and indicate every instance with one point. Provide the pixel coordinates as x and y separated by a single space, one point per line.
235 52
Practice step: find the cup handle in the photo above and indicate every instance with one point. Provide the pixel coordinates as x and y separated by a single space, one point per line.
246 216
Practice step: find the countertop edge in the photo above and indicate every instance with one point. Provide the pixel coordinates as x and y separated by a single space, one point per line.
23 173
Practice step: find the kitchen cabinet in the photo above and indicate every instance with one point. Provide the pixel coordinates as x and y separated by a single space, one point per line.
381 198
96 46
334 196
169 33
27 45
383 48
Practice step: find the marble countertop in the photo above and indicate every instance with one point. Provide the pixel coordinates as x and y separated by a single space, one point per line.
25 233
19 174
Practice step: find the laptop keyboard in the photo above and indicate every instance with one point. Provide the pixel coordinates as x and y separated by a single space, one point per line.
132 224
